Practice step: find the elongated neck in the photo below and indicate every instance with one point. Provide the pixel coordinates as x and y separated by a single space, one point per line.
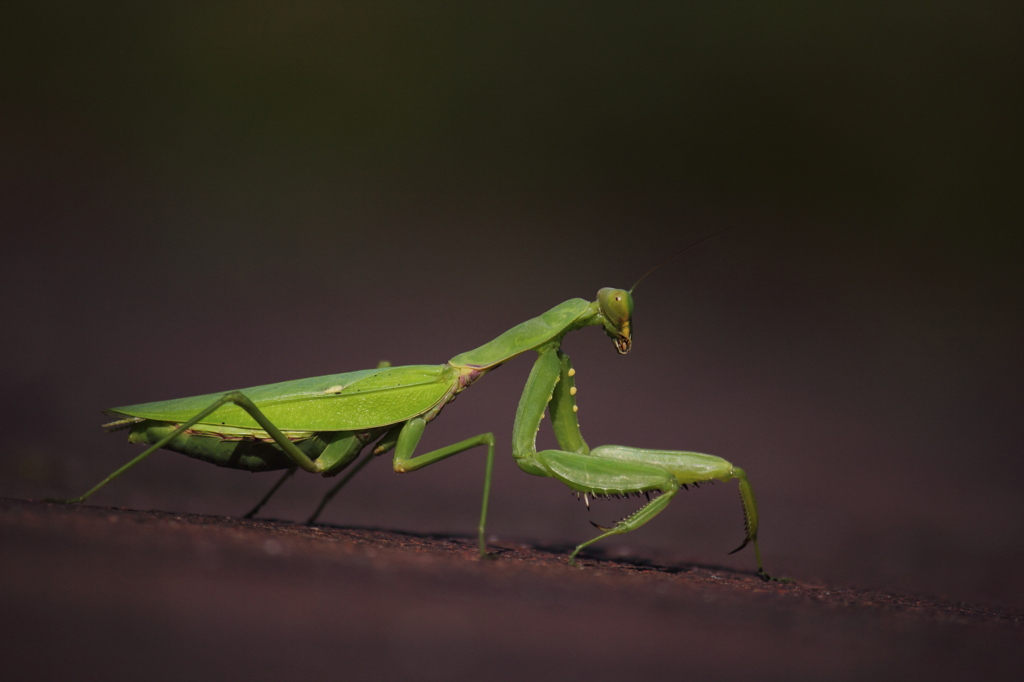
552 325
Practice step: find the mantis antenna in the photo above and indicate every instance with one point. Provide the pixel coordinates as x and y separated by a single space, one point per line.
677 253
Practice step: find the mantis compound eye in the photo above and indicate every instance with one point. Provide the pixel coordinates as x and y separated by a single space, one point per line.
617 309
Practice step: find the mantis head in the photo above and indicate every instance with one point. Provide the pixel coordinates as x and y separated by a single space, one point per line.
617 313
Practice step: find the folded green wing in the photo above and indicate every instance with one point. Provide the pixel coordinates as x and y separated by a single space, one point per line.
338 402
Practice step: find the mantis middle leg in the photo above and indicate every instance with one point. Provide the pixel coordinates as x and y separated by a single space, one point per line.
409 438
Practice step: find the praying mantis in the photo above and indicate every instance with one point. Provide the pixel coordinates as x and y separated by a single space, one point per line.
322 424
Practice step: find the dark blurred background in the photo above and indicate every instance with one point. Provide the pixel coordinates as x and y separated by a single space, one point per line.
198 198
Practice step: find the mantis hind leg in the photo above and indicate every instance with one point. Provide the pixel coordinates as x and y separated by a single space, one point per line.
383 445
280 482
342 449
297 456
333 491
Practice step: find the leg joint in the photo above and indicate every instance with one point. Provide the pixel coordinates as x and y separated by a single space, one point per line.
236 397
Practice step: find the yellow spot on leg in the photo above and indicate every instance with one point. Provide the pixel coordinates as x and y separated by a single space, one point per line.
575 408
572 372
572 391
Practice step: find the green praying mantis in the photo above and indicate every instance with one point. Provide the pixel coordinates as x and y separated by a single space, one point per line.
322 424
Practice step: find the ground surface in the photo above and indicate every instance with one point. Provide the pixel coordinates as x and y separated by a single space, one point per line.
122 594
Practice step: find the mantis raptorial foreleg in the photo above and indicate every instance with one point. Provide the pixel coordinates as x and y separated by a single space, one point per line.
562 406
610 469
593 475
631 522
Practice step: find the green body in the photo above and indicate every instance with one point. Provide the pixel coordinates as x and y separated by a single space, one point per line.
322 424
352 408
312 413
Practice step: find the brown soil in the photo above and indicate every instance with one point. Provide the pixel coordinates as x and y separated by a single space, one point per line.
121 594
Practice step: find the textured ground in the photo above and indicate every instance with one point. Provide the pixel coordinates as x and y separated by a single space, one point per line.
122 594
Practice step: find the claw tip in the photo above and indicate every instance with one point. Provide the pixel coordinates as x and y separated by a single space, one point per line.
746 541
